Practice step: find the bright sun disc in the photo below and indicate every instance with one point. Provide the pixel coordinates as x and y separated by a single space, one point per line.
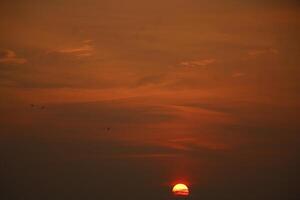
180 189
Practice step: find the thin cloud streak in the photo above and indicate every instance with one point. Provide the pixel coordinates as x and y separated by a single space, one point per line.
10 57
259 52
198 63
84 50
238 74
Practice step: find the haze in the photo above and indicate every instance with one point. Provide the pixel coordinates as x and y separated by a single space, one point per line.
111 99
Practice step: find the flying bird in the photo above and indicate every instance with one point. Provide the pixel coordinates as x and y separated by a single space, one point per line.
37 106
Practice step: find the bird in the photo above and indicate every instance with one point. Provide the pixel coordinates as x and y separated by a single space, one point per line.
37 106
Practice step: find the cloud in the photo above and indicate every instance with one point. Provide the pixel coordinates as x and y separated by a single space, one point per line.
259 52
238 74
194 144
86 49
10 57
150 80
198 63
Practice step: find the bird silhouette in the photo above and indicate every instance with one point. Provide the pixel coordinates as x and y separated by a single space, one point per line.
37 106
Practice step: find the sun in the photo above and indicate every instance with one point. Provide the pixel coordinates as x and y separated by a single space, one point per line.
180 189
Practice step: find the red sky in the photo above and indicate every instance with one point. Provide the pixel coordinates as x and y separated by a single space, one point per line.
205 92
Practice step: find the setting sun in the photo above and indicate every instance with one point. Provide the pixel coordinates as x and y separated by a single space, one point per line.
180 189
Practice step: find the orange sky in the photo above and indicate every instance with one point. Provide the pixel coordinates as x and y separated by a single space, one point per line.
209 83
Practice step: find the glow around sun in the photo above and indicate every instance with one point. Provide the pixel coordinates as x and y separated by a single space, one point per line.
180 189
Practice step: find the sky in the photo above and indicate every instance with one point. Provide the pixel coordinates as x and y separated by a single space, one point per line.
112 99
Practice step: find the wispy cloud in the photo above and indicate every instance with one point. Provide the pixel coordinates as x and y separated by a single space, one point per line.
198 63
259 52
238 74
10 57
193 144
85 49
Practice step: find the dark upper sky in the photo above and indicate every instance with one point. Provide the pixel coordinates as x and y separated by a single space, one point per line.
130 97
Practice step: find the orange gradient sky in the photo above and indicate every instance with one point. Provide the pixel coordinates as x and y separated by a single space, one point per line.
201 91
